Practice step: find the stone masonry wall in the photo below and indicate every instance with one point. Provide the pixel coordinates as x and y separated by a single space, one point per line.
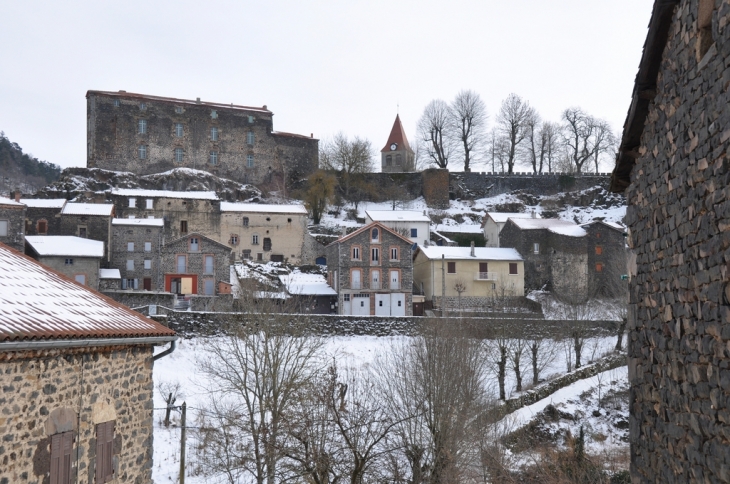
15 218
55 391
679 221
122 235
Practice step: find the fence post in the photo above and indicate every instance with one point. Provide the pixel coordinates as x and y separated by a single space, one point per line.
182 445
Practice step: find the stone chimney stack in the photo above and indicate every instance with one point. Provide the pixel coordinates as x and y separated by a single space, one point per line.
17 194
472 249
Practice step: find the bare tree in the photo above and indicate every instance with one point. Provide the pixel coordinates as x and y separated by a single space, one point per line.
549 143
534 143
542 353
511 122
460 287
498 349
498 150
346 157
585 137
319 194
469 121
434 132
170 392
517 348
604 142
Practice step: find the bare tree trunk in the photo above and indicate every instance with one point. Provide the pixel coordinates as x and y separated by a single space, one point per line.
502 371
534 349
620 335
578 345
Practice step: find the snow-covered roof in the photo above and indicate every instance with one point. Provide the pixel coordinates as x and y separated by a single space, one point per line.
10 202
613 225
303 284
65 245
139 192
104 209
270 295
501 217
459 229
109 274
480 253
39 303
261 207
43 202
397 216
557 226
148 222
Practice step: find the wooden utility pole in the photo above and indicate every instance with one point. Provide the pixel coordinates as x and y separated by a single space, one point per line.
182 445
443 287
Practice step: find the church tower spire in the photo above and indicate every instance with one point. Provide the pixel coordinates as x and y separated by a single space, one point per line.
397 155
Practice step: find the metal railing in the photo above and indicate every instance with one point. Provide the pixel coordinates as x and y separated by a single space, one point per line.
486 276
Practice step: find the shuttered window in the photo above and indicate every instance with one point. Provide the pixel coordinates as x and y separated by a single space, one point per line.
104 450
61 446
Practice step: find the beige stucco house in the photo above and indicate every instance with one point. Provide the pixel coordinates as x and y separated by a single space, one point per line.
484 273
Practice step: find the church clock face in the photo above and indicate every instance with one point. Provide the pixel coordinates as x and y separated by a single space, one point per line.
393 147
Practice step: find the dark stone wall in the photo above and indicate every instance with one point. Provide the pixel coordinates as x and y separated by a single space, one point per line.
51 215
481 185
15 218
678 217
122 235
98 227
196 260
141 299
606 246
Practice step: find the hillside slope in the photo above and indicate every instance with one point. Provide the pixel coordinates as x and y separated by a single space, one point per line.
22 170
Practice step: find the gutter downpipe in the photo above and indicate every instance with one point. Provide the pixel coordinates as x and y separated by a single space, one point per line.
85 343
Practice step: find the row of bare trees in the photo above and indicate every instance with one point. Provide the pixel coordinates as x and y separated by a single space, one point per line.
457 132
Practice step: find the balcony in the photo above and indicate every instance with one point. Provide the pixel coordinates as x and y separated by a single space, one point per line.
486 276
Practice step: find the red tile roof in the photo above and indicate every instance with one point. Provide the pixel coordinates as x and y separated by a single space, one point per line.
397 136
38 303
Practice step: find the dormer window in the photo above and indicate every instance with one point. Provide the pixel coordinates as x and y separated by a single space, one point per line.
194 244
375 235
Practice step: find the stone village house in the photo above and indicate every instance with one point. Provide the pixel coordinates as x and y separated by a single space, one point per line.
494 222
196 264
74 257
76 378
372 271
12 222
137 252
43 216
411 223
674 168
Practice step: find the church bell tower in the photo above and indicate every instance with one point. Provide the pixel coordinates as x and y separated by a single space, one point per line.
397 155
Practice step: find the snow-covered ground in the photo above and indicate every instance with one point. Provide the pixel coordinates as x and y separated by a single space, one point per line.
181 367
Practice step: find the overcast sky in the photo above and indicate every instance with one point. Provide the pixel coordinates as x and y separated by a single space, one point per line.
320 66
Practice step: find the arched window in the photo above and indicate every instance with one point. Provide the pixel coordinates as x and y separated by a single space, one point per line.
375 234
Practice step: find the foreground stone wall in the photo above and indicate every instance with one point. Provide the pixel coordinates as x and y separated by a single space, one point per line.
73 390
678 217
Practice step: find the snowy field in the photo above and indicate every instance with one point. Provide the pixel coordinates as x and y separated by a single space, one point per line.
181 367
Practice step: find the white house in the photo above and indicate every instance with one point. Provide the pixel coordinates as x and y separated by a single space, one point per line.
494 222
413 224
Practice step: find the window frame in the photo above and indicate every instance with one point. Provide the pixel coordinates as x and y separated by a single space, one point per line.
399 277
68 261
83 278
255 239
414 232
179 130
130 265
356 252
245 221
374 255
183 227
250 138
376 284
206 281
205 264
42 222
195 244
214 133
130 246
451 267
142 126
4 227
147 264
146 245
177 263
599 267
179 155
104 471
394 253
213 158
149 204
536 247
516 269
599 250
142 152
360 278
61 457
249 161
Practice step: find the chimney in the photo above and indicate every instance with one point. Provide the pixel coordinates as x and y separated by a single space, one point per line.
265 106
197 100
472 249
344 232
311 135
17 194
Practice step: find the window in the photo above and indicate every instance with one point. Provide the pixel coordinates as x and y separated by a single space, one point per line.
233 240
599 250
598 235
116 103
259 256
130 246
179 153
130 264
148 246
183 226
149 204
388 160
451 267
69 262
374 279
42 227
213 158
394 253
208 267
104 451
178 109
395 279
142 126
255 239
249 161
61 450
3 228
80 278
536 248
599 267
142 152
246 254
356 253
194 244
414 233
130 283
513 268
346 297
483 270
214 134
267 244
82 231
147 284
375 235
142 107
374 255
355 281
148 264
179 130
182 264
398 159
209 287
249 138
214 114
250 120
245 221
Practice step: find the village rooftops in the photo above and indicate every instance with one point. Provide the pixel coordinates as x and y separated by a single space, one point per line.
9 202
37 303
198 102
142 193
43 202
65 245
101 209
263 208
145 222
109 274
554 225
464 253
302 284
459 229
397 216
501 217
